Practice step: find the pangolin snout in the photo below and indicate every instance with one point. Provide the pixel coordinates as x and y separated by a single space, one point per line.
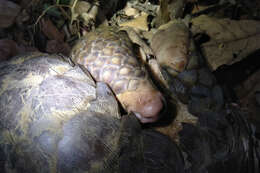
150 107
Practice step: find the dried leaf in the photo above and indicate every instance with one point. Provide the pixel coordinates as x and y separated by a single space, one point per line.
53 46
8 48
139 23
8 12
82 7
230 40
51 31
130 11
169 10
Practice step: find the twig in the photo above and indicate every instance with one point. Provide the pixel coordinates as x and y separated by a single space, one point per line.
45 11
74 4
210 9
64 13
72 10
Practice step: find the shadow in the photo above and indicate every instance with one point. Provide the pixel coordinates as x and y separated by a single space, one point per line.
168 115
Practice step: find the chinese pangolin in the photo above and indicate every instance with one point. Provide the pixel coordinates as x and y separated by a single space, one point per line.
108 55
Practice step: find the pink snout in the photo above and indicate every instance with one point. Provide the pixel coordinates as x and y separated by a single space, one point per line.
149 108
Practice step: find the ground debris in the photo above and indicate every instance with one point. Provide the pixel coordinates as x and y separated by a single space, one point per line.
230 40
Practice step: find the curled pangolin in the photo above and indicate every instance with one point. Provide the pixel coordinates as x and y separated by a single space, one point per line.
108 55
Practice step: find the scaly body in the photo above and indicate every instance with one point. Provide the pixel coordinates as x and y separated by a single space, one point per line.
108 55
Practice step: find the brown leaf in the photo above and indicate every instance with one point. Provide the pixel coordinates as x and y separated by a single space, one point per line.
8 12
138 23
53 46
230 40
8 49
51 31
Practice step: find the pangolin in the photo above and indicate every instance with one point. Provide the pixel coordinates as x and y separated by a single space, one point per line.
108 55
